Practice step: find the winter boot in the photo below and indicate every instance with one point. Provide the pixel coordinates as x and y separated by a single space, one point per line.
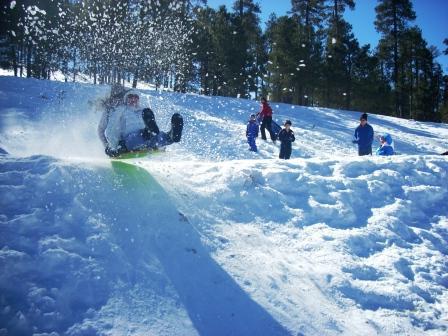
177 124
150 121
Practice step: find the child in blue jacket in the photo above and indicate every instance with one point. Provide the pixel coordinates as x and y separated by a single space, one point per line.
386 148
364 136
252 133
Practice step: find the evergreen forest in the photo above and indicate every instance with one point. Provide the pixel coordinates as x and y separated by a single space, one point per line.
309 57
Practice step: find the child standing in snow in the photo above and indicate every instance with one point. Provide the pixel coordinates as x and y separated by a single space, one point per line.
286 137
364 136
266 119
386 148
252 132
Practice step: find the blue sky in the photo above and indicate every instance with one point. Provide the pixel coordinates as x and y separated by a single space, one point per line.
432 18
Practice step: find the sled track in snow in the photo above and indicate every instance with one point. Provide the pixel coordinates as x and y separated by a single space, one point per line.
111 241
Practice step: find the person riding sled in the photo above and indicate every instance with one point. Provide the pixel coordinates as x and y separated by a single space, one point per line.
125 127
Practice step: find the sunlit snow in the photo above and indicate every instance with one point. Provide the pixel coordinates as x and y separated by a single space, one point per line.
208 238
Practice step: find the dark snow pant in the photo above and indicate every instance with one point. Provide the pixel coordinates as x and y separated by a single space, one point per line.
151 137
148 138
252 144
266 123
364 151
285 152
138 141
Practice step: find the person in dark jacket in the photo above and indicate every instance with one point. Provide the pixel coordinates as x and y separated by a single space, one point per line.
364 136
286 137
265 116
252 133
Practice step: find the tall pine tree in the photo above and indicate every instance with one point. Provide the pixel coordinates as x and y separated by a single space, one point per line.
392 18
310 16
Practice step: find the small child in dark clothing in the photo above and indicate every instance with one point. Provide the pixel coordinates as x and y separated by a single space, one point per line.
286 137
252 132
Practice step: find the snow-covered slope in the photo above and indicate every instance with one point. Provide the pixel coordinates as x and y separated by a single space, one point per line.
209 238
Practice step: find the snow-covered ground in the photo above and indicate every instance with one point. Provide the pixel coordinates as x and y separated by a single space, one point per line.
208 238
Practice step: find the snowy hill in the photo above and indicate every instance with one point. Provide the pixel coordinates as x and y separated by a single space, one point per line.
209 238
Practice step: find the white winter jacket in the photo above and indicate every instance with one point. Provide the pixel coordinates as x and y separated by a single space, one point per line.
123 120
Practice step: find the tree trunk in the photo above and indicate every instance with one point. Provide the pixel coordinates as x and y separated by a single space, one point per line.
113 75
257 82
336 19
395 35
300 97
21 59
416 79
28 62
74 66
402 92
135 79
94 73
14 59
44 72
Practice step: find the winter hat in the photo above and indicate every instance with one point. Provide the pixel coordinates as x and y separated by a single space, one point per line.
288 122
386 137
252 117
363 116
128 93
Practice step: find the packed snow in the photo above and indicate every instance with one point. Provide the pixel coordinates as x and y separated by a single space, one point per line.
208 238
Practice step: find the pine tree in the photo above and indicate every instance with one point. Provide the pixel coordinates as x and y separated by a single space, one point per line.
283 65
246 44
222 69
230 50
444 85
392 18
341 46
11 36
211 41
371 91
310 16
337 8
31 29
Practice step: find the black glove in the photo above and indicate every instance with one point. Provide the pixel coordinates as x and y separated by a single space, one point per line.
111 152
122 146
